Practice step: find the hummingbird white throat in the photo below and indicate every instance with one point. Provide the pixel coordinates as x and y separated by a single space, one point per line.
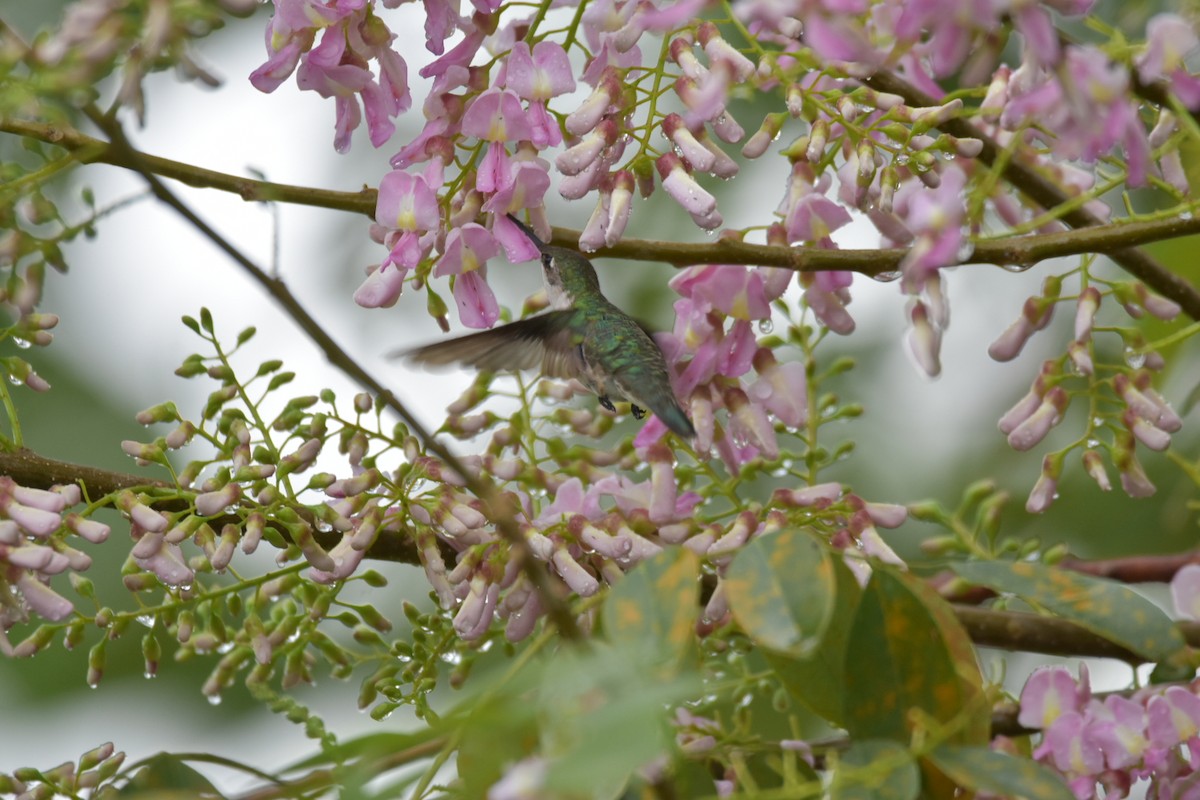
583 336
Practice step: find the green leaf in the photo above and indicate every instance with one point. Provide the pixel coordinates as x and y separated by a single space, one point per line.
653 608
167 776
979 769
781 590
876 770
603 715
246 335
1104 607
816 679
206 320
191 323
907 651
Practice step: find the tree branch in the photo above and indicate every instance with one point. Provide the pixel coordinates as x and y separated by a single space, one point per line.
1048 195
1014 630
1112 239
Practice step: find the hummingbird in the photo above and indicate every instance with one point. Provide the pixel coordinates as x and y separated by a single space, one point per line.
583 336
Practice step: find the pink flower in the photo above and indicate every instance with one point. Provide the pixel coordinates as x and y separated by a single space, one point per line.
734 290
1169 39
467 250
538 76
1173 717
936 217
1119 728
1049 693
1185 591
780 388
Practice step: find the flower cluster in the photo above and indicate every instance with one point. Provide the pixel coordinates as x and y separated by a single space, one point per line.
32 552
1143 417
710 363
1113 742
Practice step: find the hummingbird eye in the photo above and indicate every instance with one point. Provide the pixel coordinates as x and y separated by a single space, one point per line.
547 261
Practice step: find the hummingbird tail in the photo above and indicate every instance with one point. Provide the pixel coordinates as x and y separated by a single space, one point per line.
667 409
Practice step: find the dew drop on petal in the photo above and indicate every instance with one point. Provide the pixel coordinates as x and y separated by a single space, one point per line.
1015 267
887 277
21 343
965 251
1185 215
1134 359
214 699
765 326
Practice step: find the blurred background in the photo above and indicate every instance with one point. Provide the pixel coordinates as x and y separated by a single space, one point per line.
120 340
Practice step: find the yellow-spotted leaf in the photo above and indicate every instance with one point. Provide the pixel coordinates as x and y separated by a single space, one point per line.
876 770
1105 607
906 651
654 606
816 679
781 590
978 769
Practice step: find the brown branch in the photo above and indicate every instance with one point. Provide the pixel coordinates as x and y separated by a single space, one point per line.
1014 630
1048 195
1110 239
89 150
38 472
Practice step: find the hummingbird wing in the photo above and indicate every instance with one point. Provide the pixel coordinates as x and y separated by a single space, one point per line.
546 342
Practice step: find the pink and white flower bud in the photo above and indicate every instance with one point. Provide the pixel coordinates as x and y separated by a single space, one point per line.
723 549
1046 489
749 421
1134 480
142 515
719 50
589 114
924 340
1035 315
620 204
212 503
582 582
180 436
765 135
1093 464
683 54
686 144
886 515
821 494
818 136
95 532
1085 313
1146 404
44 601
1144 432
1081 357
682 188
1035 427
351 487
578 158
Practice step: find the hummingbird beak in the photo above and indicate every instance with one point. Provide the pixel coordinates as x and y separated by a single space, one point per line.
525 229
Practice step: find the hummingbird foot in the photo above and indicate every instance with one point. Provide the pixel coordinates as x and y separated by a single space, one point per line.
607 404
638 413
